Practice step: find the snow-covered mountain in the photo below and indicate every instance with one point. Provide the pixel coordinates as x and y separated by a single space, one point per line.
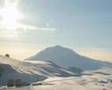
54 67
29 71
66 57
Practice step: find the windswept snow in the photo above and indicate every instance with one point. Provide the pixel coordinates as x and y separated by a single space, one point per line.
37 62
95 82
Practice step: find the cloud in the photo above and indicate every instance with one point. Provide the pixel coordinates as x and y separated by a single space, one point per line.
26 27
7 32
31 27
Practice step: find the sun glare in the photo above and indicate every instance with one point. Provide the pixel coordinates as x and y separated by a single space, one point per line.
10 16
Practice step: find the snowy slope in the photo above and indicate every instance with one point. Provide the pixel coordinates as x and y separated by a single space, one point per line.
96 81
29 71
14 69
92 82
32 71
48 68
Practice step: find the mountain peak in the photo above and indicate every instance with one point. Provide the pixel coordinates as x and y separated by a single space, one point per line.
56 47
59 49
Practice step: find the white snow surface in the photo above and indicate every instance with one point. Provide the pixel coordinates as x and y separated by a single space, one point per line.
92 80
72 83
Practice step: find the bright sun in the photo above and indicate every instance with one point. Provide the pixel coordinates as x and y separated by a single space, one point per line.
10 16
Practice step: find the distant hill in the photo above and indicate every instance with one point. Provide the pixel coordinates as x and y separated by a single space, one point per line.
66 57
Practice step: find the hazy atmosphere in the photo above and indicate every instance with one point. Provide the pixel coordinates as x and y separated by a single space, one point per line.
27 26
55 44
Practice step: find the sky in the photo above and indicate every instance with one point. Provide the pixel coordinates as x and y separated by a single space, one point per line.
32 25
